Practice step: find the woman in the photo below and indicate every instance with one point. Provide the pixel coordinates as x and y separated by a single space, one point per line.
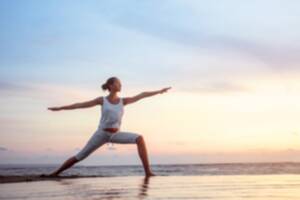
109 126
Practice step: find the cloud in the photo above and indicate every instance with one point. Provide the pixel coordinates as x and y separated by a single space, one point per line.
179 25
278 57
3 149
14 86
216 87
48 90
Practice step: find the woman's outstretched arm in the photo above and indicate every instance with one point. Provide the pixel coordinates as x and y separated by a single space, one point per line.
85 104
142 95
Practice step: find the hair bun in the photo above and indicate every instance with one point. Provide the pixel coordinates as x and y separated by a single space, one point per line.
104 86
108 83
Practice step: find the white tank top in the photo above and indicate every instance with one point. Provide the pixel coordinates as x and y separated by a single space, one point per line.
111 114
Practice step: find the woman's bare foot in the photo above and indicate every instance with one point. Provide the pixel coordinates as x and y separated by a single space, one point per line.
49 175
149 174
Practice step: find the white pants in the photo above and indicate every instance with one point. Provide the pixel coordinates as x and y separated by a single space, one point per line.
101 137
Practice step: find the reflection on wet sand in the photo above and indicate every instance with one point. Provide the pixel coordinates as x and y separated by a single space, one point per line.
114 191
144 188
254 187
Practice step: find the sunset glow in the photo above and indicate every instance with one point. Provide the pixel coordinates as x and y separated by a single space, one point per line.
235 79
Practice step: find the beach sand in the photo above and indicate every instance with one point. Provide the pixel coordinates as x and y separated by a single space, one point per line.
256 187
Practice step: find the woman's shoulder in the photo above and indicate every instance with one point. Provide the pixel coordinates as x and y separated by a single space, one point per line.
101 99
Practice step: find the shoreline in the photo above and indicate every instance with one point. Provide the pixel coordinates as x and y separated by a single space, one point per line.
35 178
31 178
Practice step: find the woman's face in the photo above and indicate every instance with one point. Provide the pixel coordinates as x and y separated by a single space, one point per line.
116 86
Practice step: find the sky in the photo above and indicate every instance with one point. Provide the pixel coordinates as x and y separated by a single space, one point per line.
234 69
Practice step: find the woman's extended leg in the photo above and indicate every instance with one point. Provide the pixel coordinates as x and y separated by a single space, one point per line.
143 155
97 140
66 165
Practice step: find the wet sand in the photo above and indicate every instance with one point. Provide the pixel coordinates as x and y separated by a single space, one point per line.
233 187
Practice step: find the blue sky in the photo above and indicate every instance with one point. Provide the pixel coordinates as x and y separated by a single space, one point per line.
45 41
59 52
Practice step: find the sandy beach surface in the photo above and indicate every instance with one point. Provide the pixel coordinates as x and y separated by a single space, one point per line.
256 187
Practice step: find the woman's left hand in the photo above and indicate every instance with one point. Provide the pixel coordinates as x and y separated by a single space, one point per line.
54 108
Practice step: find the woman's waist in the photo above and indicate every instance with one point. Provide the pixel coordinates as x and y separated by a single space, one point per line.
111 130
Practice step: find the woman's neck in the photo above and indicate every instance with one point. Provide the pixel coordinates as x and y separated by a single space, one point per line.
113 95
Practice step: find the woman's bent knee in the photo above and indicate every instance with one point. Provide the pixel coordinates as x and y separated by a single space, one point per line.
76 159
139 139
79 158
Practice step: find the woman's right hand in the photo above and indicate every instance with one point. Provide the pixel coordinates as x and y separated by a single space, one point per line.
54 108
164 90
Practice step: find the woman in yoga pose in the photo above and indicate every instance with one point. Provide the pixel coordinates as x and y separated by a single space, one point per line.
109 126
